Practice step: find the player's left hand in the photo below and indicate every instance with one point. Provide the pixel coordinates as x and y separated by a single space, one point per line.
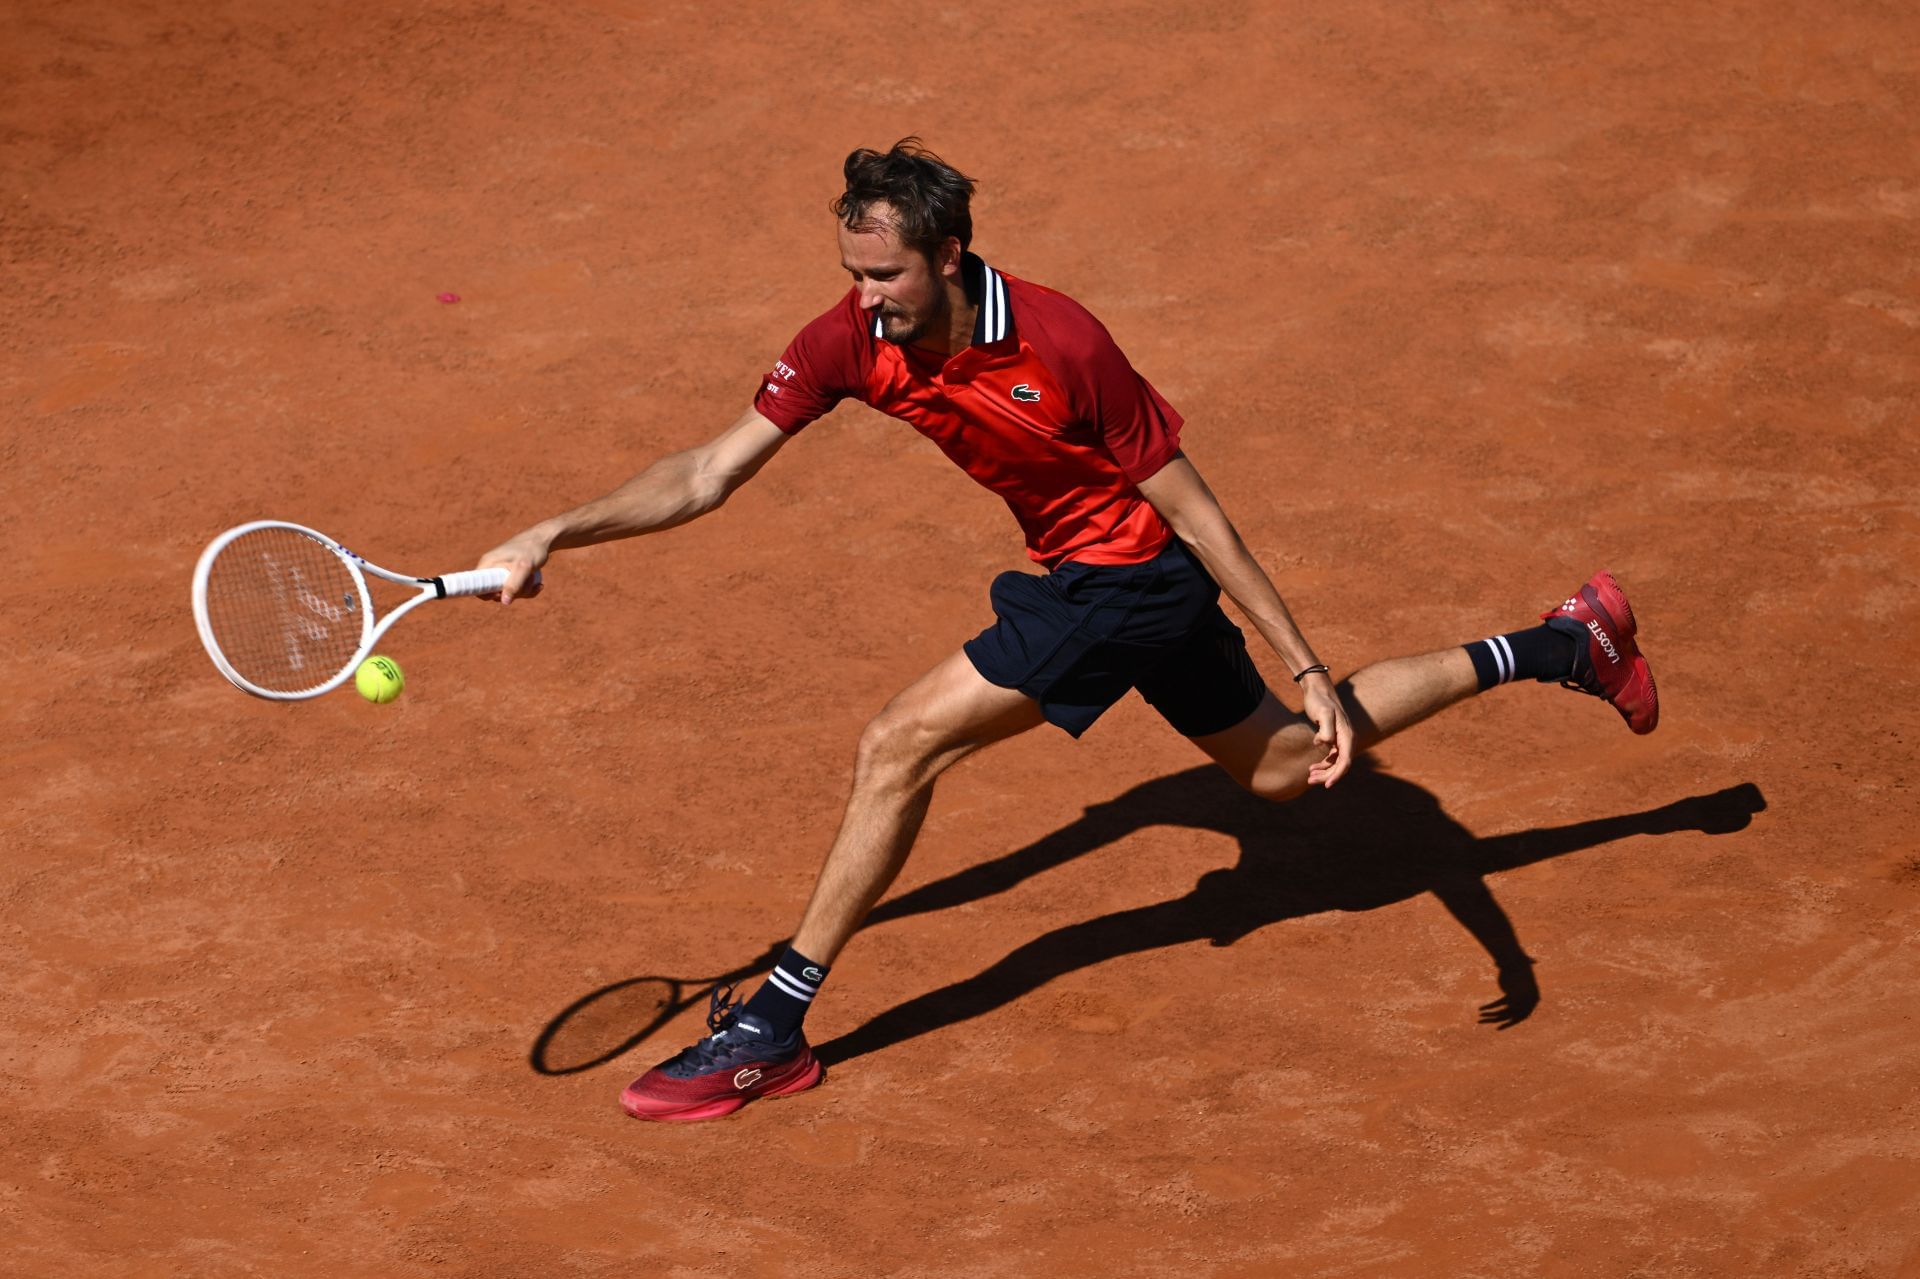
1332 731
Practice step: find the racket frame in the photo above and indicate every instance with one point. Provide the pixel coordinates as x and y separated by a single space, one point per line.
446 586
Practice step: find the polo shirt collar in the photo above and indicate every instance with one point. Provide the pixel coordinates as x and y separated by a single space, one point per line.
987 290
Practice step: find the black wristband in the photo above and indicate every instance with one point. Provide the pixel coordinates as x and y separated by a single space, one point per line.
1315 668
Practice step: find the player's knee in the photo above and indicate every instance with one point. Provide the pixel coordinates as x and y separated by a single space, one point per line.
1277 782
893 745
1280 775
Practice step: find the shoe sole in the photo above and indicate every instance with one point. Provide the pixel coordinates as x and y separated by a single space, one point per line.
1611 602
1648 707
718 1107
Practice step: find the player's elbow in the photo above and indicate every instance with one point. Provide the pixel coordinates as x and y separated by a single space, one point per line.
709 494
1213 542
707 482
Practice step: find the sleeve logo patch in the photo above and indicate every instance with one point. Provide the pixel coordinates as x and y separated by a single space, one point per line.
1026 394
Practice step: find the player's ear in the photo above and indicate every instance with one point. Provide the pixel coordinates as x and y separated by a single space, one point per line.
946 258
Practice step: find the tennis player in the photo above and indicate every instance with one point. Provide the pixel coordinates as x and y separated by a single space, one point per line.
1027 393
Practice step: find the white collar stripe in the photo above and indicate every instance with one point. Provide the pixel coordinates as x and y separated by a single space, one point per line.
993 321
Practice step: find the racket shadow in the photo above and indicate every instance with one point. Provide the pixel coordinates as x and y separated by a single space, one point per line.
598 1027
617 1018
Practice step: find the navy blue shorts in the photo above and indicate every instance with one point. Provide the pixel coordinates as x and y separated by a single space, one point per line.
1076 639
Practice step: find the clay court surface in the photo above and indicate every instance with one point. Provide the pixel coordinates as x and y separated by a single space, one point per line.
1460 303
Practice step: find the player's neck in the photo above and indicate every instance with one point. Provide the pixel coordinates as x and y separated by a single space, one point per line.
955 333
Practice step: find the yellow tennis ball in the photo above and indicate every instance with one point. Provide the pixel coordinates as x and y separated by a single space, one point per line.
379 679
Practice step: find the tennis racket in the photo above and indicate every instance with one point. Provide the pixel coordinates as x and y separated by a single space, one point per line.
285 612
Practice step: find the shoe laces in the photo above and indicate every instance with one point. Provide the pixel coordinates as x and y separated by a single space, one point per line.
1584 678
723 1013
1590 686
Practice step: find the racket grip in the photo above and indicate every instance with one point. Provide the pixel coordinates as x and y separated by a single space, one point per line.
473 581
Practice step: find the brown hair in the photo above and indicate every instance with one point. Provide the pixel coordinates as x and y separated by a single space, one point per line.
927 195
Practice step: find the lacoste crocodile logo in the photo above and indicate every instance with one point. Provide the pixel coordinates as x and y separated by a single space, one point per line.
747 1078
812 974
1026 393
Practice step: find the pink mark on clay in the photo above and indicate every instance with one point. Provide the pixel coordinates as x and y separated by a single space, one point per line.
447 297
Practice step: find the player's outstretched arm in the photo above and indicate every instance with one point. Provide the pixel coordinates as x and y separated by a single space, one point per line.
677 488
1189 506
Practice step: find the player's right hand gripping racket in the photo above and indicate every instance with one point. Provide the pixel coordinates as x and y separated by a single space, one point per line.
285 613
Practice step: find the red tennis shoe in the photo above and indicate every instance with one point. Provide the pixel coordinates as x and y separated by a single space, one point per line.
739 1061
1606 661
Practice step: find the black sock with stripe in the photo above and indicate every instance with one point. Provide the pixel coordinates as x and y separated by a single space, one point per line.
787 993
1541 653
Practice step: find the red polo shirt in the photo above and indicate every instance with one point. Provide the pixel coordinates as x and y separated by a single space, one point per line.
1042 408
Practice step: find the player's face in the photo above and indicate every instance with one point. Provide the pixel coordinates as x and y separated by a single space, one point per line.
896 282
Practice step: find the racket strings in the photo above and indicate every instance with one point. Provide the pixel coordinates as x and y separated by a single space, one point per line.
284 609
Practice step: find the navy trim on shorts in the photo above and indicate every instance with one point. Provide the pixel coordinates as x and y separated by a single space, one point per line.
1077 639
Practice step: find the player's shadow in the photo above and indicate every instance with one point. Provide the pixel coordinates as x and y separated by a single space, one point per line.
1372 840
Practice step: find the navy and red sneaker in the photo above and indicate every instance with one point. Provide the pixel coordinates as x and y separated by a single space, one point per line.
1606 661
739 1061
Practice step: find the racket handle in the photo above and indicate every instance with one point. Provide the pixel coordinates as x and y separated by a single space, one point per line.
473 581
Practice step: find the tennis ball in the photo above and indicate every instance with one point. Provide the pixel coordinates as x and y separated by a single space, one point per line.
379 679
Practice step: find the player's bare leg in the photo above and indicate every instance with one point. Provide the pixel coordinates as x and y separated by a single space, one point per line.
940 719
1271 750
757 1048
